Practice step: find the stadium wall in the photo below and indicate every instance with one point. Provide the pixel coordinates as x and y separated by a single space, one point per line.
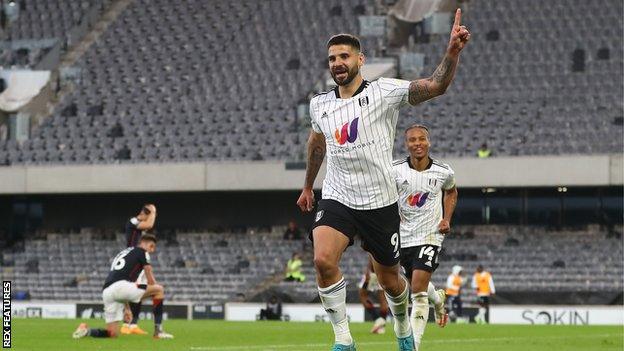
239 211
597 170
498 314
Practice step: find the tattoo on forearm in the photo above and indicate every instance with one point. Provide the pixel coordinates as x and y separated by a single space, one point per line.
424 89
443 73
316 154
418 92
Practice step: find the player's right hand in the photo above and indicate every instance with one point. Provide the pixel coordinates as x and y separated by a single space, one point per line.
459 36
127 315
306 200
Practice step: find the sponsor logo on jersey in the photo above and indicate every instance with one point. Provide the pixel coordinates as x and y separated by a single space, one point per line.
417 199
348 132
324 115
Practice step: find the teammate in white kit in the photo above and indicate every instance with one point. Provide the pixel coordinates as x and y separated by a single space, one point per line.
424 185
355 124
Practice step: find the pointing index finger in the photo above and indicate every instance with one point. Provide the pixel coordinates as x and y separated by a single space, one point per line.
457 18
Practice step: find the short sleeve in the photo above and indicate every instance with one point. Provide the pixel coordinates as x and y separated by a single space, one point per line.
449 182
395 91
315 126
145 258
396 175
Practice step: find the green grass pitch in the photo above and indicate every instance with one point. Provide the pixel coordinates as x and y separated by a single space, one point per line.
55 335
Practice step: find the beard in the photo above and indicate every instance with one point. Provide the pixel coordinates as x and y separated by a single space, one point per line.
351 74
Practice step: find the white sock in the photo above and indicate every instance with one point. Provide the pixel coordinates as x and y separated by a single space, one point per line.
482 313
433 294
419 315
398 305
333 299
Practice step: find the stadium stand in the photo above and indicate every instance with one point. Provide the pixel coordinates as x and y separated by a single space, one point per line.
520 93
173 81
520 259
210 268
196 267
51 18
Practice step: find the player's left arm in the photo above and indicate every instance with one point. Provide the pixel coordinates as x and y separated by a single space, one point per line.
424 89
492 288
450 201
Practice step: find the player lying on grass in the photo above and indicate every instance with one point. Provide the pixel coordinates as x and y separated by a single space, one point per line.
369 285
120 289
424 186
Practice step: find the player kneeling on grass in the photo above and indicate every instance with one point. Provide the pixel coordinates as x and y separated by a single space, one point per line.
120 289
135 227
423 185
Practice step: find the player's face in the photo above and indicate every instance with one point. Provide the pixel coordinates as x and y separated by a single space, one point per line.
344 63
417 142
150 246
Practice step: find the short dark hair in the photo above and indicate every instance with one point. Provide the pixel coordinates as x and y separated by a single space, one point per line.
145 209
345 39
149 237
421 126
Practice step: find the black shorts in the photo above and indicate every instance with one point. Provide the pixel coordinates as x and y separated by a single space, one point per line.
378 229
422 258
484 300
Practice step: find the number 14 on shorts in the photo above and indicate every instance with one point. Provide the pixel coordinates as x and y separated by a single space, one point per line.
430 253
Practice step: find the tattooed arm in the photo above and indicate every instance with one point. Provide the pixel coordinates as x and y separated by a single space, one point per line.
424 89
316 154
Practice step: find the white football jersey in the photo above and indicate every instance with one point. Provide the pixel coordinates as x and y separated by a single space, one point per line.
420 201
359 133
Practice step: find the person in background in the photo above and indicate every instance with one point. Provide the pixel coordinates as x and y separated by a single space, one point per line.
484 151
273 310
293 269
484 284
292 232
369 285
454 284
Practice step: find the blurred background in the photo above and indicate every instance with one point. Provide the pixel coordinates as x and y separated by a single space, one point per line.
201 107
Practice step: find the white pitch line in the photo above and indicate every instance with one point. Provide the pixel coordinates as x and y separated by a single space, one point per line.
372 343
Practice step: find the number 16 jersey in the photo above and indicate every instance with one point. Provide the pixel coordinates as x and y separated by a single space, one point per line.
127 265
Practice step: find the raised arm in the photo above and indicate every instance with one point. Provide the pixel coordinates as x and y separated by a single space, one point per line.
424 89
151 218
316 154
